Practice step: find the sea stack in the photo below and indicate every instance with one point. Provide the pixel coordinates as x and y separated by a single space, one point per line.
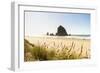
61 31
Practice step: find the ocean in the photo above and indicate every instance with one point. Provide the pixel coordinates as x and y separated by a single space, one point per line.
64 37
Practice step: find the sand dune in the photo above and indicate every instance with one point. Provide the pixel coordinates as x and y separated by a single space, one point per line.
80 46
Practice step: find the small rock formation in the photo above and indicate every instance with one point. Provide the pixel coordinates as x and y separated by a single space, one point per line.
61 31
51 34
47 33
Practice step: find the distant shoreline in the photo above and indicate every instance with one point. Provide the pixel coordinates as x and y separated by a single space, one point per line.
70 37
81 35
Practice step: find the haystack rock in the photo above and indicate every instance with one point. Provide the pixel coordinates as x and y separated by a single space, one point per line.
61 31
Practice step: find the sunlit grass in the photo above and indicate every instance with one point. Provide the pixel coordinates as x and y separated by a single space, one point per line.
42 52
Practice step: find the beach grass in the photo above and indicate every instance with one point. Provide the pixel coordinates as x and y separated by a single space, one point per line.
56 49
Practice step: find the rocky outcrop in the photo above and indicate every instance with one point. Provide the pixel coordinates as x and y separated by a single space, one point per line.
61 31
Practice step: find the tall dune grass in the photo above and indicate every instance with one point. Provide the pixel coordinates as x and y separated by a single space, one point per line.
43 52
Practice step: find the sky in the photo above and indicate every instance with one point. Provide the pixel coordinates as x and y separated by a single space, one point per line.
39 23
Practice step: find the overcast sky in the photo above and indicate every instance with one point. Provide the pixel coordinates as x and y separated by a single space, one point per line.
39 23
